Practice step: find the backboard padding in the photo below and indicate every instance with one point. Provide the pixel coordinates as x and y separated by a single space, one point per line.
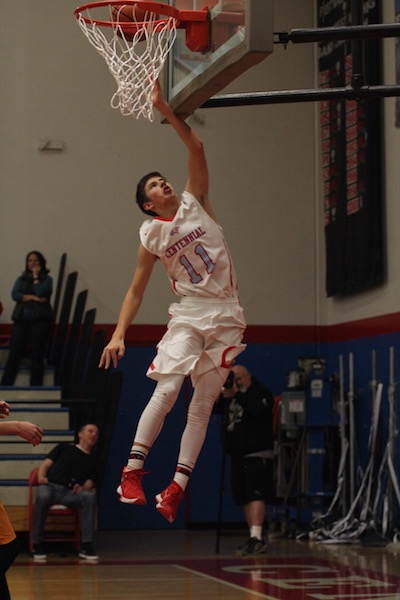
192 78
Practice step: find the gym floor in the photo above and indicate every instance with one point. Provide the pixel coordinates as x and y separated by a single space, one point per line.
184 565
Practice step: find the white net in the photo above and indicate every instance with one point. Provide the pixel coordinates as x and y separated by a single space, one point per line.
134 59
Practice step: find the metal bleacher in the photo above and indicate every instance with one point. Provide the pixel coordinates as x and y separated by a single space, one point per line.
71 396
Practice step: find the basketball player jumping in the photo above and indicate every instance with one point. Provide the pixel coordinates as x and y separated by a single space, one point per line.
206 328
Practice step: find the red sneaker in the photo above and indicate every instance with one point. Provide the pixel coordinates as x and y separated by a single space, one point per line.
130 490
168 501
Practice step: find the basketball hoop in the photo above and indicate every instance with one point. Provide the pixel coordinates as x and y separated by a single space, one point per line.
134 37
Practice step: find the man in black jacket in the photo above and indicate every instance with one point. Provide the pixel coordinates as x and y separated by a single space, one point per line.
247 406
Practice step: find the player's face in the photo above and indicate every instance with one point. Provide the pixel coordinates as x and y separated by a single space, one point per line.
161 195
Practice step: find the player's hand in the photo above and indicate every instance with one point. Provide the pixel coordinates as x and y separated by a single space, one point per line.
158 98
112 353
30 432
4 409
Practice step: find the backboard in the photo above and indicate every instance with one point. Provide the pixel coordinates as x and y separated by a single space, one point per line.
241 36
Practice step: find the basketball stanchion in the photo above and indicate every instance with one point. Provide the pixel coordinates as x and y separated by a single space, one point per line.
134 38
370 519
360 516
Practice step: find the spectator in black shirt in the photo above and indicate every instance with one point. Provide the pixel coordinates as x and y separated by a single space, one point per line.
247 406
68 476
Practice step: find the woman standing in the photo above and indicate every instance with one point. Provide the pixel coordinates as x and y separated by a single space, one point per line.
32 317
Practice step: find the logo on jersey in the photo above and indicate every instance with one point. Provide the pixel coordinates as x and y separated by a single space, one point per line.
184 241
174 231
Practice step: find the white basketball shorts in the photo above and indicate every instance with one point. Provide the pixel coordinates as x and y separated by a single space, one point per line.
203 334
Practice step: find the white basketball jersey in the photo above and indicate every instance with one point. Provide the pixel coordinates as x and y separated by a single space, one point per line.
192 248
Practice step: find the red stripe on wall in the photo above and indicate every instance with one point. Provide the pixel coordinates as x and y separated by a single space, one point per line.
362 328
144 335
284 334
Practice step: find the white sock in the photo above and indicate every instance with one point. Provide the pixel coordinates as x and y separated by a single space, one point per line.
182 476
136 459
181 480
256 531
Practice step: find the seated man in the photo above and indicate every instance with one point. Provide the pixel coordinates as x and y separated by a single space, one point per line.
68 476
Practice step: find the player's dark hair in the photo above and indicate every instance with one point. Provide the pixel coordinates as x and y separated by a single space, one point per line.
141 197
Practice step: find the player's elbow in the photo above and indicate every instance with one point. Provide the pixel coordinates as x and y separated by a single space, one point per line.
199 146
195 143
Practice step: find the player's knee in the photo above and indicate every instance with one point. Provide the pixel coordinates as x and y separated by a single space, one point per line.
166 393
200 409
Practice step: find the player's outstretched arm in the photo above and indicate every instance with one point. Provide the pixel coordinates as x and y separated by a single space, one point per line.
115 349
197 183
24 429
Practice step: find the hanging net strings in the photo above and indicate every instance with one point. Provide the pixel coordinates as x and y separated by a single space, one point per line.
135 59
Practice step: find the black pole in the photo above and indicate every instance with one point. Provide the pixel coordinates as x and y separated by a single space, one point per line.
295 96
331 34
225 405
220 501
357 46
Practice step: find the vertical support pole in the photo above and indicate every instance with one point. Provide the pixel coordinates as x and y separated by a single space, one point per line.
392 435
374 383
220 502
342 426
351 430
357 46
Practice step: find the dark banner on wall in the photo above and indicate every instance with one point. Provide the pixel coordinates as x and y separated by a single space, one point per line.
397 51
351 157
